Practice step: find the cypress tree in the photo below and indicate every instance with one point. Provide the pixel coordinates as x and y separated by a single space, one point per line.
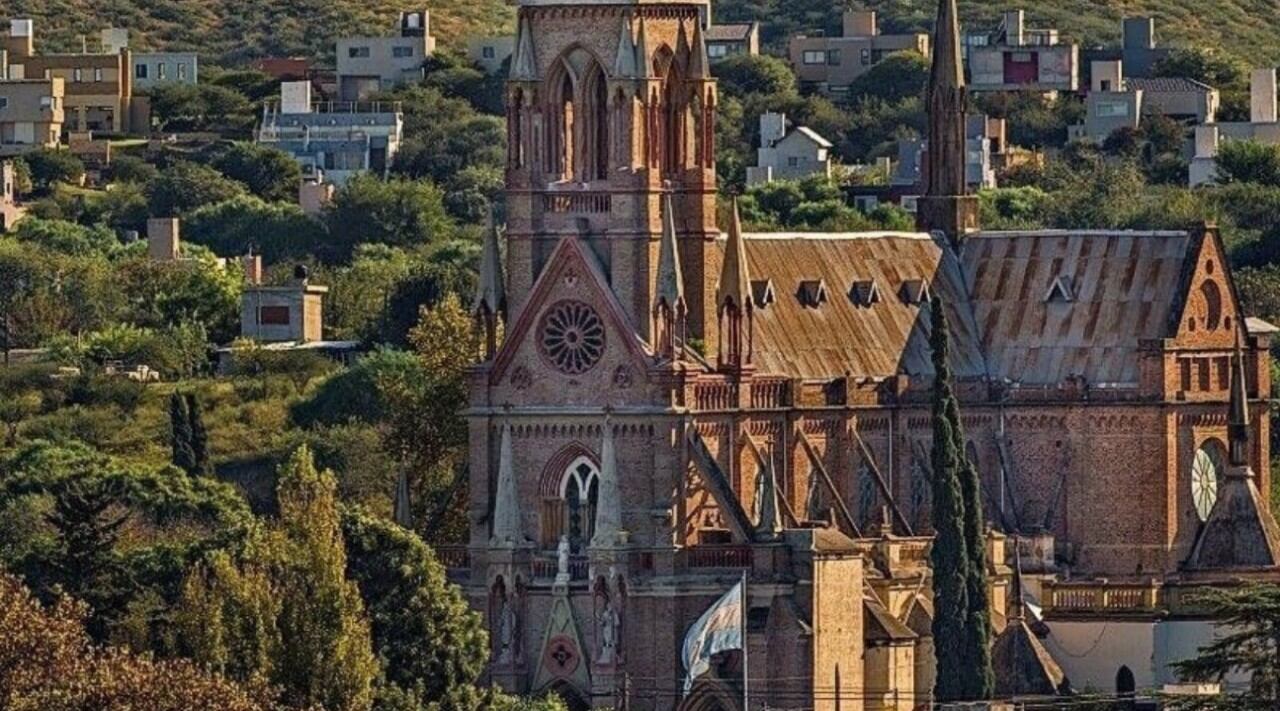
180 436
979 679
199 436
949 554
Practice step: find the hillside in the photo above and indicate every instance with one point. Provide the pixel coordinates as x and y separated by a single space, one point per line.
229 31
234 31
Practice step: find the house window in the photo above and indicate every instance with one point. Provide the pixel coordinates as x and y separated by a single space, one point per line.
1113 109
866 57
97 74
401 52
4 102
793 161
161 70
573 513
357 52
182 71
273 315
717 50
1020 57
76 74
488 52
48 102
833 57
140 71
814 56
911 203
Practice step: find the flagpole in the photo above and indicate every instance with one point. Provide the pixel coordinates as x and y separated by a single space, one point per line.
742 621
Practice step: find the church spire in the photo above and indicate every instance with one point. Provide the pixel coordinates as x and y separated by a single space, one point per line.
670 309
507 526
945 206
733 299
642 43
491 296
699 66
609 505
624 64
523 67
769 524
1238 410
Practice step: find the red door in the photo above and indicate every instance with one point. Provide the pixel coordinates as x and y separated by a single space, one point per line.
1021 67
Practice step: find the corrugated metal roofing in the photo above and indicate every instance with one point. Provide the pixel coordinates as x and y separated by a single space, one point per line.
729 32
888 337
1123 287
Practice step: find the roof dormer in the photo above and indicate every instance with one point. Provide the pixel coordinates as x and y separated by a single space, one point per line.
1061 290
762 293
915 292
864 292
812 293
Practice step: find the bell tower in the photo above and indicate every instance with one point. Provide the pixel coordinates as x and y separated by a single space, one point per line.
610 112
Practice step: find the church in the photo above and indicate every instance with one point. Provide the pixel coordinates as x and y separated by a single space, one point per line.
668 405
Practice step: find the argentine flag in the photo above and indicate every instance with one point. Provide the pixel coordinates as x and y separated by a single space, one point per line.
719 628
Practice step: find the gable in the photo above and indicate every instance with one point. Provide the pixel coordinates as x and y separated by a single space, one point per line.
1207 311
571 342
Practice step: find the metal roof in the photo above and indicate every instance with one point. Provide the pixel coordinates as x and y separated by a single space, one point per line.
729 32
1007 321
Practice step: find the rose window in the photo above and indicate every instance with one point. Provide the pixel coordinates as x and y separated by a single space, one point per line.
572 337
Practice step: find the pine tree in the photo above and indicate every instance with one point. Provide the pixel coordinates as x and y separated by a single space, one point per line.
180 436
86 526
199 436
1248 646
949 554
980 679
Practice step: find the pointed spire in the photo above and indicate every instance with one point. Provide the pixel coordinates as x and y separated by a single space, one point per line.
682 42
769 526
699 66
735 282
1017 609
670 281
507 526
403 514
523 67
491 291
624 65
608 502
1238 410
947 70
642 45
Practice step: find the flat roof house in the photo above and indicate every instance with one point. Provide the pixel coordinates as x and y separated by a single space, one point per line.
1014 57
341 138
1263 126
370 64
1116 101
1138 50
31 114
151 69
832 63
491 52
732 39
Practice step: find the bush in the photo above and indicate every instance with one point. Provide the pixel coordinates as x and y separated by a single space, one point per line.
1249 162
185 186
53 165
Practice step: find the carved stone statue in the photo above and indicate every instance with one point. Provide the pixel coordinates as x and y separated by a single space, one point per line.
562 560
608 635
506 632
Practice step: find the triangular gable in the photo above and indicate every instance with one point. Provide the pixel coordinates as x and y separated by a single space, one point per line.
812 293
915 292
570 259
762 292
864 292
1062 290
1205 278
563 656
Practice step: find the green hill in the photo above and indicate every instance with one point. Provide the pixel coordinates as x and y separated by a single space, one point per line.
236 31
232 31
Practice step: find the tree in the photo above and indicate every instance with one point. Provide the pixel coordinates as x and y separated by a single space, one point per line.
180 434
199 436
86 522
744 74
67 237
269 172
53 165
398 212
275 231
432 645
898 76
1248 162
185 186
1203 64
1248 644
48 662
949 554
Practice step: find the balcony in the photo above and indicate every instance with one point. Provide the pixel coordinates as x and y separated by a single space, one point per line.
583 203
545 567
718 556
1102 598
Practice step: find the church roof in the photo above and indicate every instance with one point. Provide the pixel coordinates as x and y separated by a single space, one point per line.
1032 307
1022 665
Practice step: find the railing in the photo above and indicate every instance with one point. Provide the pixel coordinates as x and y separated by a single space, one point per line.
714 396
577 202
915 552
549 567
341 107
718 556
1102 597
454 556
770 393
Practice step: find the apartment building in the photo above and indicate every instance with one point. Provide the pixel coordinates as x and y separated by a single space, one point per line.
732 39
97 87
341 138
152 69
1263 126
1116 101
31 114
783 154
832 63
1013 57
370 64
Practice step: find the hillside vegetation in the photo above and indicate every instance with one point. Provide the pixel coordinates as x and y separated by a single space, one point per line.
236 31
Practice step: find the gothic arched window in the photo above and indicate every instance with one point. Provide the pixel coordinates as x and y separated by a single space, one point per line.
596 123
573 514
867 494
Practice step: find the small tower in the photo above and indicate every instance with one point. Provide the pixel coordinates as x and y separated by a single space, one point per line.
734 304
945 206
491 294
669 309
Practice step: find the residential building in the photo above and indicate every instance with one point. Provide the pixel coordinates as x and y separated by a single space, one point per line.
832 63
665 410
984 148
788 155
1117 101
31 114
370 64
292 313
341 138
1137 51
1014 57
314 192
151 69
97 87
732 39
491 52
284 68
1262 127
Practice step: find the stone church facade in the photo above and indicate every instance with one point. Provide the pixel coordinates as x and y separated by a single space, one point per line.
664 406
